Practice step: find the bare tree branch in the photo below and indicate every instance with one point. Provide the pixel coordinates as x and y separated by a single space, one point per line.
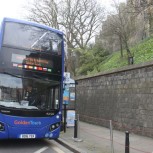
120 24
80 19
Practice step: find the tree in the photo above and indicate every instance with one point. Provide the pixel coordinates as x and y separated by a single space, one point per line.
91 59
43 11
121 24
80 19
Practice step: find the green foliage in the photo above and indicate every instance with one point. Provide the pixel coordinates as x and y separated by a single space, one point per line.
142 52
97 59
90 60
86 63
114 61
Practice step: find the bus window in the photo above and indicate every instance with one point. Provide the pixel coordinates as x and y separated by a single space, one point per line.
35 38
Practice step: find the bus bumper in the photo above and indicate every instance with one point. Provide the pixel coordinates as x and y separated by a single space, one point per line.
29 133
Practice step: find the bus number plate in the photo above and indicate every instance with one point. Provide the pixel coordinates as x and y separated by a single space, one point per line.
27 136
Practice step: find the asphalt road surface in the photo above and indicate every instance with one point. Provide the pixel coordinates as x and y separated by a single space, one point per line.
31 146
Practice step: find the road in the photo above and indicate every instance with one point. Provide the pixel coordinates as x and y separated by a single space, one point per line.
31 146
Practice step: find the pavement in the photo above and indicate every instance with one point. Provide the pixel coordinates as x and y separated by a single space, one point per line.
96 139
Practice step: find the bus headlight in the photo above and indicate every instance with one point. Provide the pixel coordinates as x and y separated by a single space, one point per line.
2 128
54 126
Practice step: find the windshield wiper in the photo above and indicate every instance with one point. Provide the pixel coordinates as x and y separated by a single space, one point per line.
28 108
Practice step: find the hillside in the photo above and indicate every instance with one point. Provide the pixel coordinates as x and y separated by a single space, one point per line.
143 52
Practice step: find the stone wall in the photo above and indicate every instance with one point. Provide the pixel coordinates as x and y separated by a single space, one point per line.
142 23
124 96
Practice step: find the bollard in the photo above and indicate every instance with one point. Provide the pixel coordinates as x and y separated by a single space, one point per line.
127 142
111 137
78 126
75 128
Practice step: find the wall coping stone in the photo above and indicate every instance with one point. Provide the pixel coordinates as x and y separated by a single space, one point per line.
122 69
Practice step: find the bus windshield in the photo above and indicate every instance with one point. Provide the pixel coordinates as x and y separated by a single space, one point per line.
28 93
31 37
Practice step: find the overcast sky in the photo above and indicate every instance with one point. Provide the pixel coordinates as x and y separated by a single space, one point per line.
14 8
11 8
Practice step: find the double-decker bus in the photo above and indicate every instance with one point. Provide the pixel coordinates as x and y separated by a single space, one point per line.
31 80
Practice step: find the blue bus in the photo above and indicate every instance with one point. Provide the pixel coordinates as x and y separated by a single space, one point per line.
31 80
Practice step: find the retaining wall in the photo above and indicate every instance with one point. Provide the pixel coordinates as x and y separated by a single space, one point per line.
124 96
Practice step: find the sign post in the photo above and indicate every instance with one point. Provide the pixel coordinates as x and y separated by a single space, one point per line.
66 96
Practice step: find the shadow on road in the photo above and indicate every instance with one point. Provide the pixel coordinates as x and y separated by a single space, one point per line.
22 143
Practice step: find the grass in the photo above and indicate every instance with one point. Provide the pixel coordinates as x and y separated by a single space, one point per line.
143 52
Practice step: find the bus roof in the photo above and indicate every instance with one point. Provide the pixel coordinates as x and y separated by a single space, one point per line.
32 23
